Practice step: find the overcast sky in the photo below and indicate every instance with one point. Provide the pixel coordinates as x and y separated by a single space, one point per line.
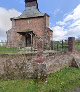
64 16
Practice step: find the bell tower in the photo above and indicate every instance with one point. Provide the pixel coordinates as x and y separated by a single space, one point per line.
31 3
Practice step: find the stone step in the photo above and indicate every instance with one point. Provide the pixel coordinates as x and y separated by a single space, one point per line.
28 49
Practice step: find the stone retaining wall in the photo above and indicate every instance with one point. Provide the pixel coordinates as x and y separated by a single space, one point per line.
18 65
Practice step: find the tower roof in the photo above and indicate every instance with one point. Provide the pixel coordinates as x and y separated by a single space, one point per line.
31 10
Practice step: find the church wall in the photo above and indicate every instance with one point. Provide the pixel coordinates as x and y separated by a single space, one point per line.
34 24
37 25
47 21
31 19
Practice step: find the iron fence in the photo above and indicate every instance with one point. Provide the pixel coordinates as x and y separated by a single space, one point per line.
63 45
59 46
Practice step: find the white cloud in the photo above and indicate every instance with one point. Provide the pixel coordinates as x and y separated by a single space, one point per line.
74 15
5 23
58 33
75 24
70 26
56 12
60 23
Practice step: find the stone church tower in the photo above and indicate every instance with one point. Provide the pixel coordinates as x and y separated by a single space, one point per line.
29 27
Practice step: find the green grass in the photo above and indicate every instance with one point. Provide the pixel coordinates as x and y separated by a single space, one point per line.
78 46
4 50
62 81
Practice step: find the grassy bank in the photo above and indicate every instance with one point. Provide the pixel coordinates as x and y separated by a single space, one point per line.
62 81
4 50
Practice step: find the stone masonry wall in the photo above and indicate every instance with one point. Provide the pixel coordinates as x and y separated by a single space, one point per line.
17 65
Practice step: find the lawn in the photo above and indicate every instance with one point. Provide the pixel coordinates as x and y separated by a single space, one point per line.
62 81
77 46
4 50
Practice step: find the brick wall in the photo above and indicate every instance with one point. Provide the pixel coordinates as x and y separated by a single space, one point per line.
37 25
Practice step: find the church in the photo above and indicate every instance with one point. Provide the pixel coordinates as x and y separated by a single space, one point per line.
29 27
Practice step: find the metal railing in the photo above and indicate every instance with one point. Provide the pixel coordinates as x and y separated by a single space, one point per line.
61 46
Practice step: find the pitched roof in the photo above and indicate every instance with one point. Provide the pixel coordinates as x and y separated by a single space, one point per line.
30 12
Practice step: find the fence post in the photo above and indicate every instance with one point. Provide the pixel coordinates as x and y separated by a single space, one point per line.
71 44
62 45
57 46
52 47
